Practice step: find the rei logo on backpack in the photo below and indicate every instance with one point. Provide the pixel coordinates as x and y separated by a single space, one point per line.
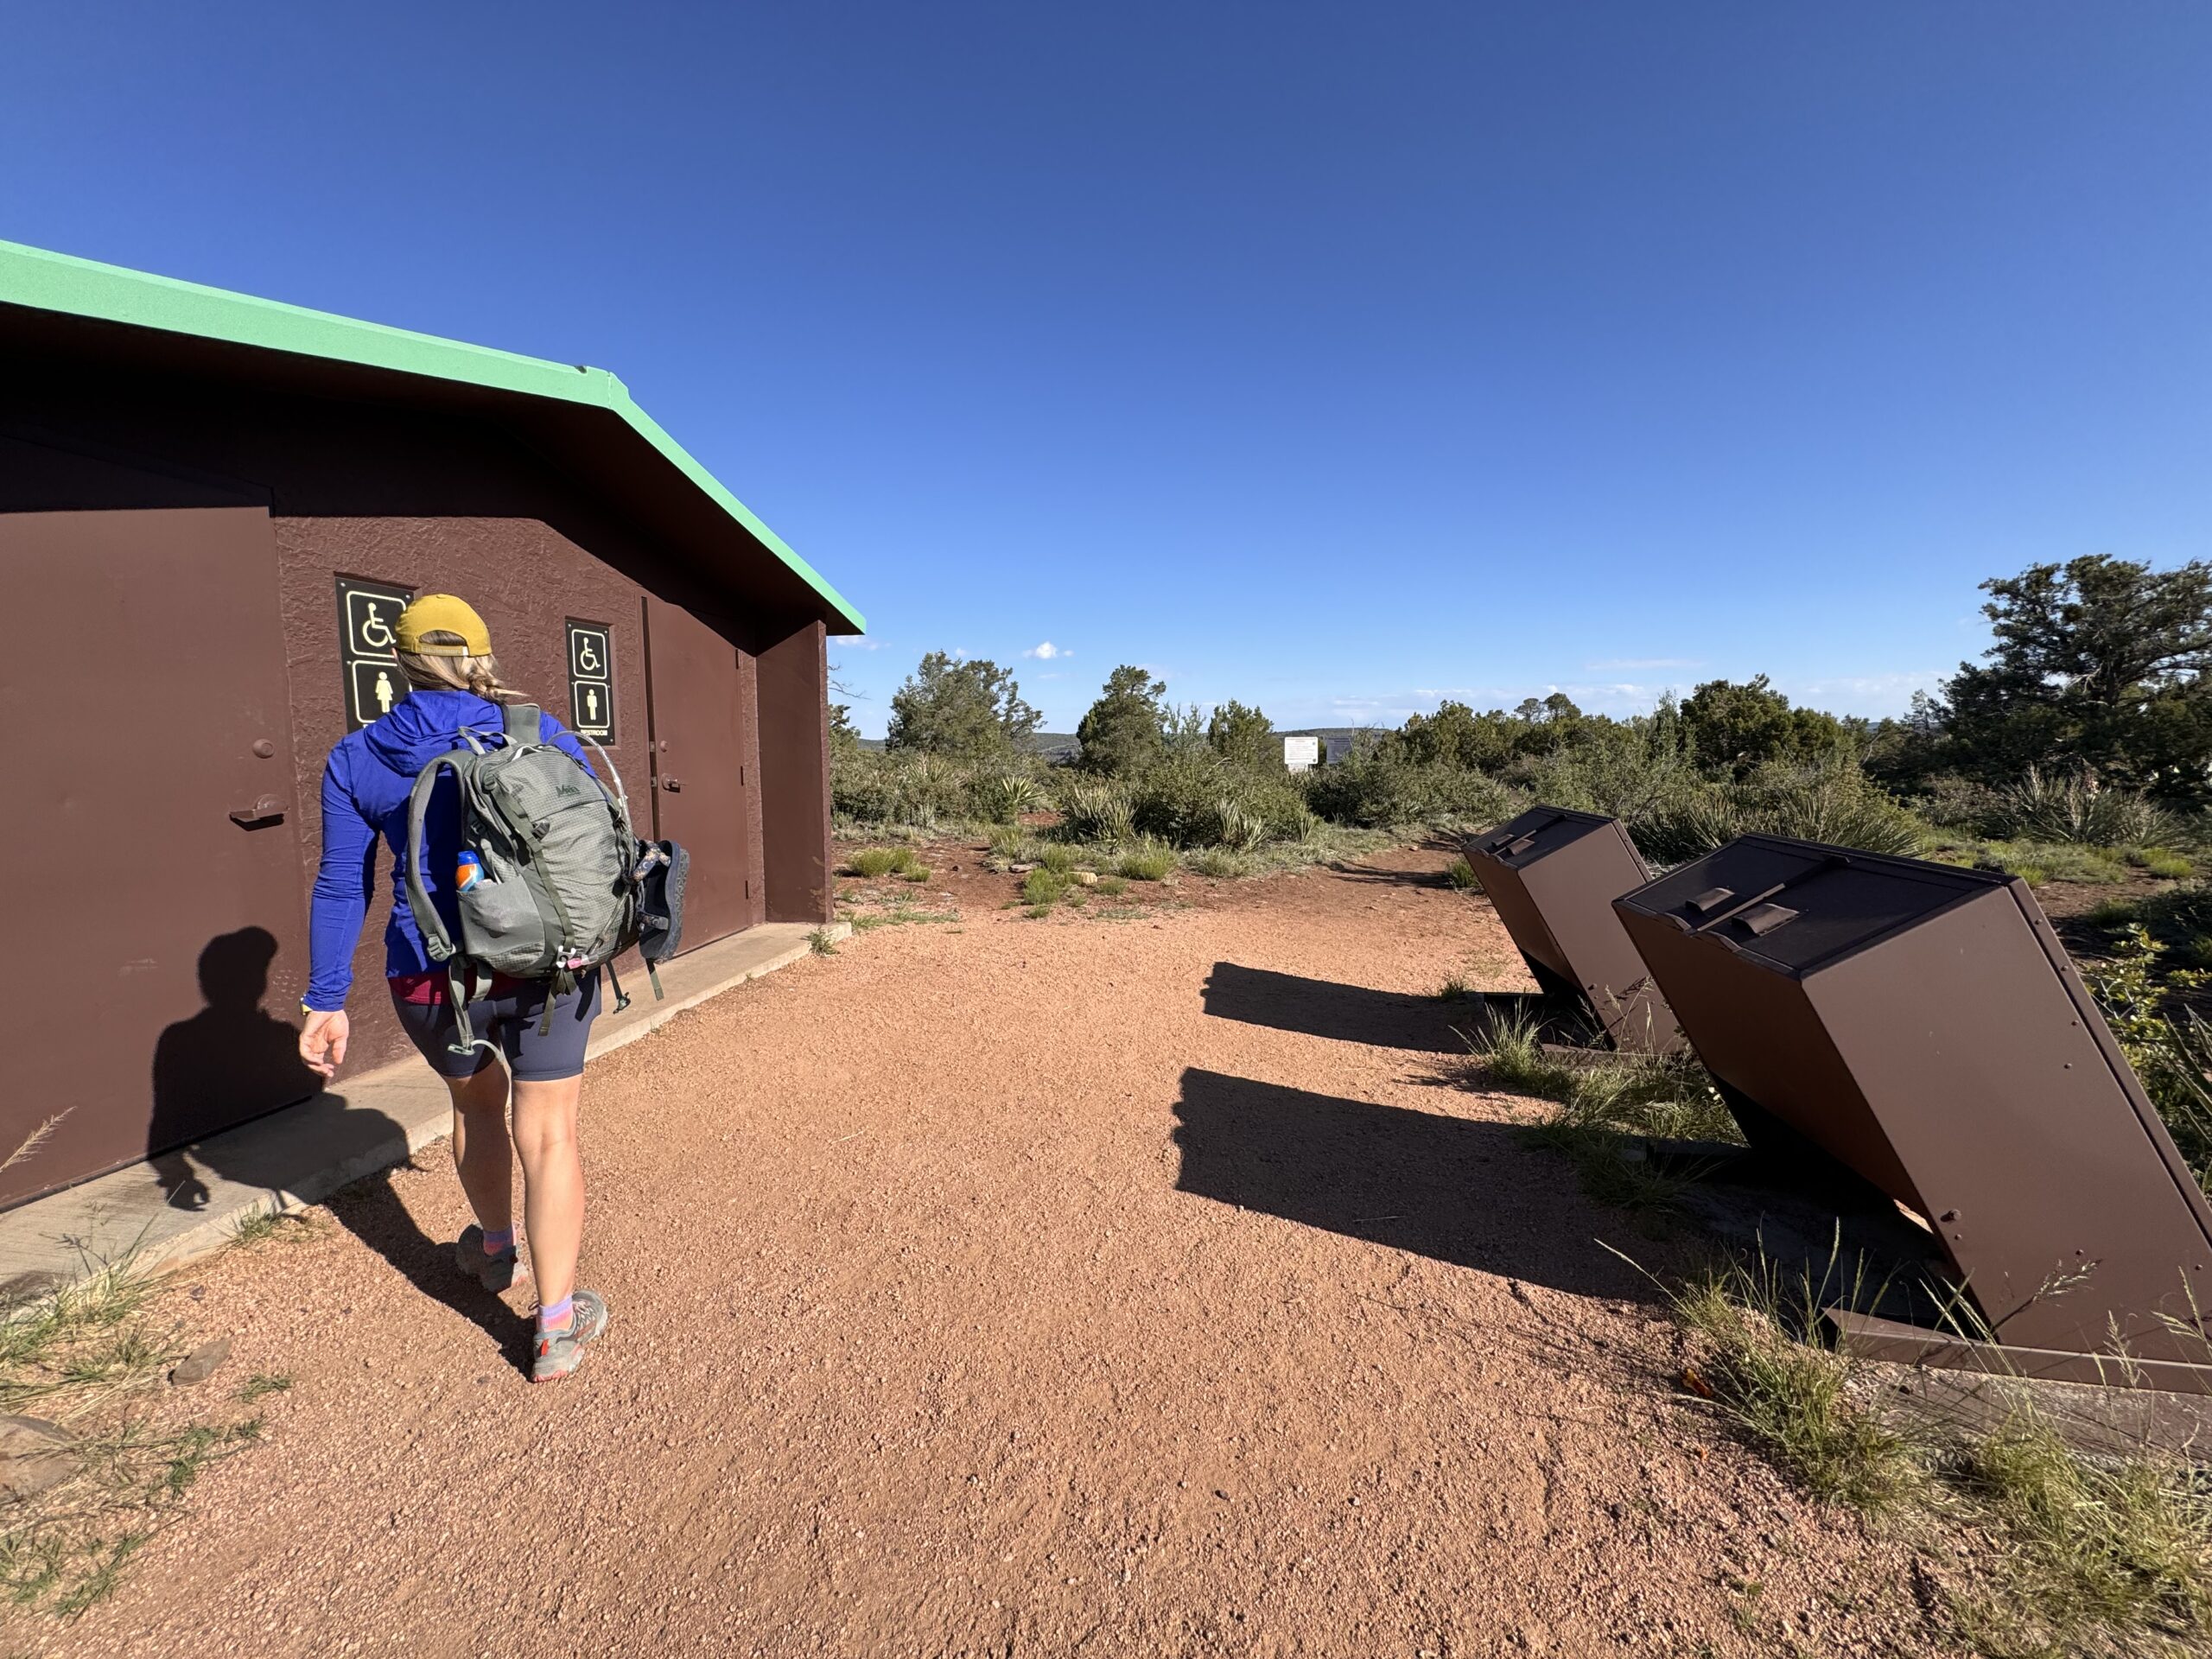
551 882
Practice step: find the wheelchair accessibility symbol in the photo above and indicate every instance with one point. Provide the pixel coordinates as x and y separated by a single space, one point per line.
369 617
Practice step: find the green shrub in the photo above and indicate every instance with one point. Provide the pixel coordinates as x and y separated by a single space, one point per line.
1227 824
898 788
1834 803
1112 887
1952 803
1043 886
1095 812
1375 787
1057 856
2170 1055
2073 807
2037 862
915 872
1010 842
1191 796
1625 770
1148 861
1003 797
875 861
2167 866
1217 863
1461 874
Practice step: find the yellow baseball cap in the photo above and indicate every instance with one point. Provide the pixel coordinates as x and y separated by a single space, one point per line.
442 614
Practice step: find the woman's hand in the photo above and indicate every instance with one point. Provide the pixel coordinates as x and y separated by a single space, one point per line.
325 1033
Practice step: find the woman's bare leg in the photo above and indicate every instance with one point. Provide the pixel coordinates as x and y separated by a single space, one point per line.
552 1183
480 1145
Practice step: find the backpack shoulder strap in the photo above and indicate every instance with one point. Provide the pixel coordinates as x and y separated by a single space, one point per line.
436 940
524 724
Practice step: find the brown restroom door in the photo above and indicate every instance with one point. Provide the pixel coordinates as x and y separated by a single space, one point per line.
698 754
158 900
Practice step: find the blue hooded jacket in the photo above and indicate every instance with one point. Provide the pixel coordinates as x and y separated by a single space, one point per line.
364 790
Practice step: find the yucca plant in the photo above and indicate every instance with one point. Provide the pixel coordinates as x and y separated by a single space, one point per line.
1096 812
1228 823
2075 807
1003 797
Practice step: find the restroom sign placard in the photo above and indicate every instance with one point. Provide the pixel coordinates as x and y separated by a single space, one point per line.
368 647
591 680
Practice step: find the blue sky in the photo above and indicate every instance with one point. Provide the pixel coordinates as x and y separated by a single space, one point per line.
1337 358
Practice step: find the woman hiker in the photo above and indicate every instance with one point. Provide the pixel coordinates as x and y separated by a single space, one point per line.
445 653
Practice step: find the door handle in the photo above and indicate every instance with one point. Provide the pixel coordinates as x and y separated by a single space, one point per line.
673 785
267 809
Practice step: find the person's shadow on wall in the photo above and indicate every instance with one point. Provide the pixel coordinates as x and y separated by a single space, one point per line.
233 1061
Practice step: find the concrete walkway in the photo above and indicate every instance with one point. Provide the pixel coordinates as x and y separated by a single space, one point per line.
194 1201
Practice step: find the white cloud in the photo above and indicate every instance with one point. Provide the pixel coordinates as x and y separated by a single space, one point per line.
1617 663
856 642
1862 694
1046 652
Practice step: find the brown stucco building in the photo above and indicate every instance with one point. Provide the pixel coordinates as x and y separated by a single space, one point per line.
210 507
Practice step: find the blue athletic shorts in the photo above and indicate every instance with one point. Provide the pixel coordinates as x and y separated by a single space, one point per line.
508 1016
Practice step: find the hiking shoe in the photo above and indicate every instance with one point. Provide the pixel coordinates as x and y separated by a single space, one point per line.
560 1352
494 1273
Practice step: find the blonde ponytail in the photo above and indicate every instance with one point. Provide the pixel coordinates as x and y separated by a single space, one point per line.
456 673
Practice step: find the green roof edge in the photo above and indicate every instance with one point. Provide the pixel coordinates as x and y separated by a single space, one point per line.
44 281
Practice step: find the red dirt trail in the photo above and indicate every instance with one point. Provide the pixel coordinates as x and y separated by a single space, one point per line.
1140 1287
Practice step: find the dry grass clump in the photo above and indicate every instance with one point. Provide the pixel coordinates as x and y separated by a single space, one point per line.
2097 1556
1607 1111
874 862
89 1360
2043 1552
1792 1397
1148 860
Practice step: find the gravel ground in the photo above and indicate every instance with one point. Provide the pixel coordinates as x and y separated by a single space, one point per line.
1076 1286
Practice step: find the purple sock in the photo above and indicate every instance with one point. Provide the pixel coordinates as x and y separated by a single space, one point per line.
495 1243
559 1316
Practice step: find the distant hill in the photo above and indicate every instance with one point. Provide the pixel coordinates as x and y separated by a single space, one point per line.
1063 746
1053 746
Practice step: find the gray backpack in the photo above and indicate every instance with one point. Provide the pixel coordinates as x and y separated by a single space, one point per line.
552 873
